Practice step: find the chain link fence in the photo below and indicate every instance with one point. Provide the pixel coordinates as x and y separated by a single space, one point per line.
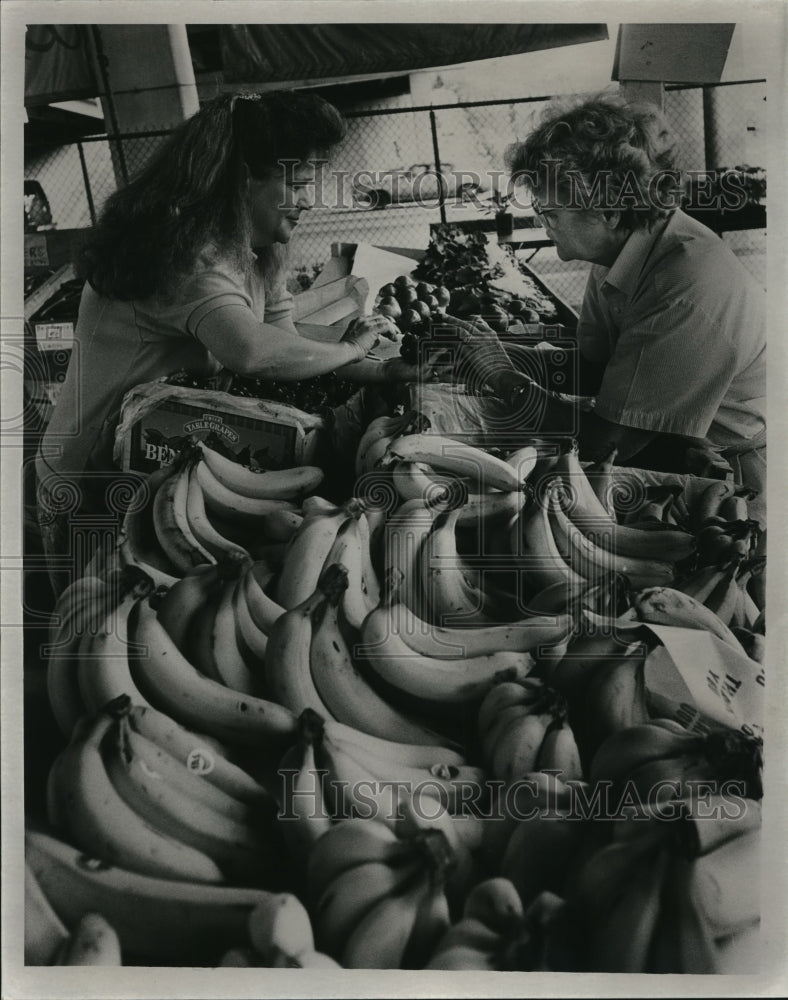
389 157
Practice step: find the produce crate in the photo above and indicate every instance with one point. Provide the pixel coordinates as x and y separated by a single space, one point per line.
157 418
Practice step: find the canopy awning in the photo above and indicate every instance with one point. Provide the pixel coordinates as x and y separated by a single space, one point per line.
266 53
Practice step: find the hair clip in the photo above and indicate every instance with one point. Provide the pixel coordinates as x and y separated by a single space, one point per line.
243 97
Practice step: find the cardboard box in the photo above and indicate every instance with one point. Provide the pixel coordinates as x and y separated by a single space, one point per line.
156 419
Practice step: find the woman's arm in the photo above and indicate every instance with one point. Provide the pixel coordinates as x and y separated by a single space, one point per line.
248 347
542 412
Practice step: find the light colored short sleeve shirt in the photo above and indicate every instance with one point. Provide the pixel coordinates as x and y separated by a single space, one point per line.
679 324
118 345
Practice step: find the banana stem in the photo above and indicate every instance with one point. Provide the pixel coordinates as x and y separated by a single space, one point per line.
333 583
119 707
310 726
438 852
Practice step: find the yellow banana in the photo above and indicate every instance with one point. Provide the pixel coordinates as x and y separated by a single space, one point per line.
347 551
153 759
533 542
403 541
665 606
280 928
252 641
430 679
452 591
80 608
594 519
596 563
307 552
351 895
417 481
348 845
228 504
415 754
171 523
227 655
284 484
303 816
162 920
44 930
202 527
93 942
288 671
725 887
100 822
384 771
442 642
234 845
203 755
443 453
495 903
380 938
344 689
621 938
185 598
137 542
103 658
263 609
431 923
173 685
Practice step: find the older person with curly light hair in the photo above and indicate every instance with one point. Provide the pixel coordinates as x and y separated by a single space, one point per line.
671 337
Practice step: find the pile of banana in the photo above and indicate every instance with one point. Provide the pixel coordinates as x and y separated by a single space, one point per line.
408 730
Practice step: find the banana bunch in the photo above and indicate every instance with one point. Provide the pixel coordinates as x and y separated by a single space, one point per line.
157 920
208 616
497 934
204 506
336 773
658 760
176 686
280 937
378 435
77 613
537 834
601 675
378 900
308 552
435 666
668 606
309 665
102 656
121 797
672 893
522 727
568 535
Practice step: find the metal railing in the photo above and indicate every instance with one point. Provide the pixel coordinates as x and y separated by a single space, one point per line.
469 136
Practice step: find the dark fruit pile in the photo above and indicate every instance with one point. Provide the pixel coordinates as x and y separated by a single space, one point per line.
314 395
414 307
455 277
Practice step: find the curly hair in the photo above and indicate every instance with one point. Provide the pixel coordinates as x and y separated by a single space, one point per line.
602 152
190 195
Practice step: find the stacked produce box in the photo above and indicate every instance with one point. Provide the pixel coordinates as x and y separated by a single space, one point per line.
491 712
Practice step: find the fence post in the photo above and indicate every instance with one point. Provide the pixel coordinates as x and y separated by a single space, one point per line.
86 179
711 128
436 151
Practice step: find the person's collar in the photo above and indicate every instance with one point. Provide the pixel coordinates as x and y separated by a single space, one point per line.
625 270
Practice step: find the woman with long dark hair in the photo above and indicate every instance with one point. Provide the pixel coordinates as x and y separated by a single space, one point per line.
186 271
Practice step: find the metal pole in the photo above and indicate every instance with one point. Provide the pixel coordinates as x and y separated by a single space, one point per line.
86 179
441 180
101 61
712 144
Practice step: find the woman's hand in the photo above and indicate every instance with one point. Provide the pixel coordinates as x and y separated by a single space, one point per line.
481 357
366 332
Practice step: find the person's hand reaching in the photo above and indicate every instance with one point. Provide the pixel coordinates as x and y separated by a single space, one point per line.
366 333
481 358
